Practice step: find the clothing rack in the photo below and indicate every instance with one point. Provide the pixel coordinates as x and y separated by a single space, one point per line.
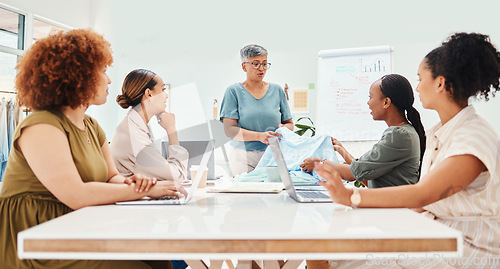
8 92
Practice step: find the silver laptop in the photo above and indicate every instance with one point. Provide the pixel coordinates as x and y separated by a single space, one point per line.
307 196
195 150
173 200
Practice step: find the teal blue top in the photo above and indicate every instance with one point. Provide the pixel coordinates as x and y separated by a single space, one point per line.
259 115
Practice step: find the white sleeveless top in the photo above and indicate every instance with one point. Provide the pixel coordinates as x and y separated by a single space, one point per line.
476 209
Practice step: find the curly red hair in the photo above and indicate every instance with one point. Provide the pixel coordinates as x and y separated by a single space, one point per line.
62 69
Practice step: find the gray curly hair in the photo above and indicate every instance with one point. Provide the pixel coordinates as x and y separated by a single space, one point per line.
252 50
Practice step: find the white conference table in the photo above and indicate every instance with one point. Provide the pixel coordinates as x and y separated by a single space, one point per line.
238 226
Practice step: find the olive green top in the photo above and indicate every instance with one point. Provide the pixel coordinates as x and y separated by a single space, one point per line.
394 160
25 202
85 146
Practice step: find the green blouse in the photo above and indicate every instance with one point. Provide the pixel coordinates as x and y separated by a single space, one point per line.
394 160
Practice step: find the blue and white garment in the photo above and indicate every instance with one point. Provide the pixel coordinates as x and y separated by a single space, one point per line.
10 122
4 142
295 149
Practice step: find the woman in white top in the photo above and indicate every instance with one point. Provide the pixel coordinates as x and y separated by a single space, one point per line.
460 177
133 146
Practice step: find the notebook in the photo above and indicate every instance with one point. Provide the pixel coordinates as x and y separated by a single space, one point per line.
308 196
173 200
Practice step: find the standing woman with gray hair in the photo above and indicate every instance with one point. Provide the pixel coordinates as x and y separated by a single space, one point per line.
252 110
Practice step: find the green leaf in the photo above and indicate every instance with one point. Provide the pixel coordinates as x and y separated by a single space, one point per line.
358 184
301 132
307 118
302 126
310 120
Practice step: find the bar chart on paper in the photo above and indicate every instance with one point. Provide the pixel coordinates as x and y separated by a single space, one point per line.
344 80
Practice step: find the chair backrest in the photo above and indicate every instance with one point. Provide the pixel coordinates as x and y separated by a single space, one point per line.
220 140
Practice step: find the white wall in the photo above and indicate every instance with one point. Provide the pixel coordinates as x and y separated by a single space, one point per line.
74 13
199 41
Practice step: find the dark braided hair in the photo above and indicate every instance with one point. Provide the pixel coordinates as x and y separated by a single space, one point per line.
469 63
398 88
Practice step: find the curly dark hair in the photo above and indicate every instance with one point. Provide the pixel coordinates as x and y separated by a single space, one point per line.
62 69
469 63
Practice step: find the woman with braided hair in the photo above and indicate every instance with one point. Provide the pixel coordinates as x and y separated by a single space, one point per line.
459 182
395 159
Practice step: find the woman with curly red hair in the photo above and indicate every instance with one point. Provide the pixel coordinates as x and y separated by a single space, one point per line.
60 159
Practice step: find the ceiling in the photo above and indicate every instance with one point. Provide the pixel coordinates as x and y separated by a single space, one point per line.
9 22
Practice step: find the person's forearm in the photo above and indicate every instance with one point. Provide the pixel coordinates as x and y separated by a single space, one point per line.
116 179
348 157
173 139
99 193
343 170
388 197
289 125
240 134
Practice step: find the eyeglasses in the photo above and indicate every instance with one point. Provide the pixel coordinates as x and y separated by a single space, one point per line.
256 65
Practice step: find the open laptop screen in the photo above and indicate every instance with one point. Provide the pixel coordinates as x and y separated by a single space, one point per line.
195 150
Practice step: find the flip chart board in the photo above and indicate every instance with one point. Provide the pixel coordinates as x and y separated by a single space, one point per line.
344 80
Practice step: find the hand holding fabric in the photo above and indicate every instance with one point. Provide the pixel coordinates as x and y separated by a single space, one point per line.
338 147
309 163
264 136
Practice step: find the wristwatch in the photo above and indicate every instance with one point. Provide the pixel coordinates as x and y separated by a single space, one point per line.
355 198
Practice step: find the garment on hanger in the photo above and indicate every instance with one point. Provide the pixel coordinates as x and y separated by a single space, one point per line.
10 121
22 114
17 110
4 142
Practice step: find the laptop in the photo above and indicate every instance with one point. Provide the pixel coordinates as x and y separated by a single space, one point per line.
306 196
174 200
195 150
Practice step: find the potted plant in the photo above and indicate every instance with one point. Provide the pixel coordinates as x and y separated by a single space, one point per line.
303 128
